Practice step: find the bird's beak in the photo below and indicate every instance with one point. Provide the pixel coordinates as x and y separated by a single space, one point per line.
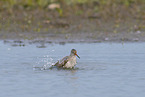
77 56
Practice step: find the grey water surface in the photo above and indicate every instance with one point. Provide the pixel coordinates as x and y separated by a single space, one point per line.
104 70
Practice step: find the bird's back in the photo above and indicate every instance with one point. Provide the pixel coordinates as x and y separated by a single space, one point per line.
66 62
62 62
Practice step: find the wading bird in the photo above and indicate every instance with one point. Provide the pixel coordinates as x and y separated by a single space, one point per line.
68 61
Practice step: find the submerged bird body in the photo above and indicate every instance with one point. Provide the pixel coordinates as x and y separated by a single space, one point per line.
68 61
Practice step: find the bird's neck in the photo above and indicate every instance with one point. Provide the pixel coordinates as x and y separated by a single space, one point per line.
72 54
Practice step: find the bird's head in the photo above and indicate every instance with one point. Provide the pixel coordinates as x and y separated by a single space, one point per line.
74 52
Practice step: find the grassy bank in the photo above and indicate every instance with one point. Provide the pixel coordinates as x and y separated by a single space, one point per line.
71 16
114 8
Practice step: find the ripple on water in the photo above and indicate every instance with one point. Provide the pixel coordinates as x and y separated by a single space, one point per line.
105 70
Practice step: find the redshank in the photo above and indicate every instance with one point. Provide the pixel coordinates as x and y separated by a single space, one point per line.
68 61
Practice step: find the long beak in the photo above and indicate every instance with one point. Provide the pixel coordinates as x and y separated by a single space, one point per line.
77 56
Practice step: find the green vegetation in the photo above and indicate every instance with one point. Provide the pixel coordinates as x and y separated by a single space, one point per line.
103 8
97 4
38 15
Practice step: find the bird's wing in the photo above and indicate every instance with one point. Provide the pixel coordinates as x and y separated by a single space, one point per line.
62 62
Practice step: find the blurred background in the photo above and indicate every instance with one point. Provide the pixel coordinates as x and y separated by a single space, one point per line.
101 17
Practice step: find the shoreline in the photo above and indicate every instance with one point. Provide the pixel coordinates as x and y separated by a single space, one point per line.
45 43
75 38
82 25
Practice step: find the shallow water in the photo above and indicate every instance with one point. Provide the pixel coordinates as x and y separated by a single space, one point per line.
104 70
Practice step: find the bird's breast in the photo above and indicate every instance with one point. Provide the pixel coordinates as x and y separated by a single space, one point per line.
71 62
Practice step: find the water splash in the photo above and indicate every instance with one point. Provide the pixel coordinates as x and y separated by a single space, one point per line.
44 62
